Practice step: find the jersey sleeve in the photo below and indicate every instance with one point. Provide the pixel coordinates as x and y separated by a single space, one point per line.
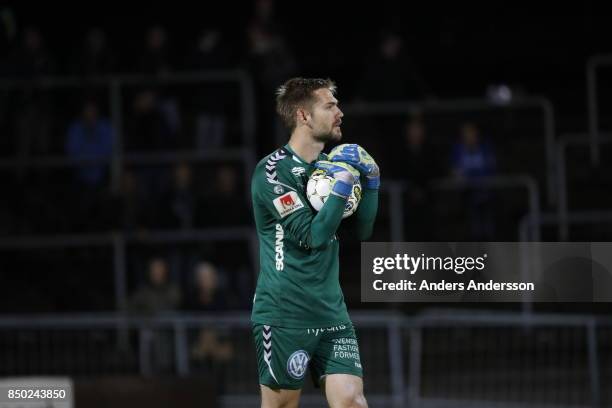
285 199
366 214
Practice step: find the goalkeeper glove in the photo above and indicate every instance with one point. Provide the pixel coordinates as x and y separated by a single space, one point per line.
357 157
343 174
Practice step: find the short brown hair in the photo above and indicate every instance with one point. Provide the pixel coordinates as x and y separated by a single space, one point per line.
298 93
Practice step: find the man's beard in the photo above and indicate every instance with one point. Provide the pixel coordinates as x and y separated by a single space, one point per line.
328 137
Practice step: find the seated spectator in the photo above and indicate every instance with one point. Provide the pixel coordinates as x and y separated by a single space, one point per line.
472 159
417 163
207 294
96 57
34 107
211 100
179 202
390 74
224 205
90 137
209 52
155 57
158 295
130 209
32 59
270 61
147 128
152 126
211 348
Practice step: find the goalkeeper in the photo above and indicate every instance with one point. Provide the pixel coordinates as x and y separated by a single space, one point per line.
299 316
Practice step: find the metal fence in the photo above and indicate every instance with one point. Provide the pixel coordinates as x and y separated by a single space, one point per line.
444 358
594 63
116 86
117 242
564 143
541 104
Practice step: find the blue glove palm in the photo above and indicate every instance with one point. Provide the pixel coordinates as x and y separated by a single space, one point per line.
357 157
342 173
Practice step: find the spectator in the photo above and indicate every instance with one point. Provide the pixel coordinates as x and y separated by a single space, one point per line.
211 349
34 113
154 298
418 165
212 99
158 295
8 34
264 14
131 211
472 157
390 75
90 137
155 58
208 294
148 129
96 57
224 206
153 103
270 59
471 160
32 59
270 62
180 201
153 124
210 52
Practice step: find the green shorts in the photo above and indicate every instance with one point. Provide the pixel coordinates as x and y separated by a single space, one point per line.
284 354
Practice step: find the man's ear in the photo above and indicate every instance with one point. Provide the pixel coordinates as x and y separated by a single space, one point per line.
302 116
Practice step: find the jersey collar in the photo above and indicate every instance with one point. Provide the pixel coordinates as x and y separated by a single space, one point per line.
295 156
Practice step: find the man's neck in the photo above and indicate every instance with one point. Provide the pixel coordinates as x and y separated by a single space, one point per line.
305 146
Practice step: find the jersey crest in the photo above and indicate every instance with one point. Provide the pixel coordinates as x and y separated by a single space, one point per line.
288 204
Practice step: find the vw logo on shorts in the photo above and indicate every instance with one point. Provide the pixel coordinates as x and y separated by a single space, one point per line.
297 363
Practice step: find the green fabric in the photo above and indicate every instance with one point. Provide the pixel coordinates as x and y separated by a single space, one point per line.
283 354
298 284
366 214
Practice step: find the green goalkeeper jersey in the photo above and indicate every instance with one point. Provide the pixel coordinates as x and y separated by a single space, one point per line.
298 284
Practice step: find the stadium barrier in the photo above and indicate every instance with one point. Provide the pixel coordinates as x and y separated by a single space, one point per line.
593 64
118 241
474 105
563 144
116 85
442 358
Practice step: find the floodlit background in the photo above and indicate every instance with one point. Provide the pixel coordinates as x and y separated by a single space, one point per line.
128 256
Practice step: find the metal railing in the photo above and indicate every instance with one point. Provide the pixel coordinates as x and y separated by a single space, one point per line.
563 203
115 85
471 105
443 358
119 241
396 189
526 225
592 65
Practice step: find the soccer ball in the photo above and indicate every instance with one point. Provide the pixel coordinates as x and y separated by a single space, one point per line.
320 185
